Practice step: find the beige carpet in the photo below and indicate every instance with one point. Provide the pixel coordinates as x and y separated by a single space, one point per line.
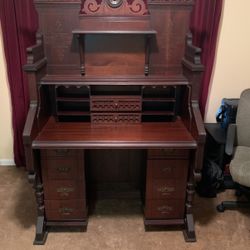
112 228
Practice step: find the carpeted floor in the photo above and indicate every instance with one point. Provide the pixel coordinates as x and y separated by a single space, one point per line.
115 225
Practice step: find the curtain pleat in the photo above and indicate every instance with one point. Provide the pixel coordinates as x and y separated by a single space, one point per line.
19 24
205 22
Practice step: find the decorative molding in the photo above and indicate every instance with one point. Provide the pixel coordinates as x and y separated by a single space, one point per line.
57 1
192 57
171 2
125 8
35 55
7 162
115 118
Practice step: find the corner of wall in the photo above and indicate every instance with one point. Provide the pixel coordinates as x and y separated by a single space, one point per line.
6 133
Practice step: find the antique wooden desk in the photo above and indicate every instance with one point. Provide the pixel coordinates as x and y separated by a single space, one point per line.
114 88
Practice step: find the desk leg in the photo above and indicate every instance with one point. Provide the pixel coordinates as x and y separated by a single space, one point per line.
41 232
189 233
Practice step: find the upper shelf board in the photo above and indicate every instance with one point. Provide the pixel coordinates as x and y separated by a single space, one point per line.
118 32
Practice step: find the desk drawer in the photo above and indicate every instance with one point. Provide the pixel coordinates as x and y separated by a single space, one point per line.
165 189
59 152
115 118
168 153
65 214
64 190
65 209
165 209
167 169
59 168
57 204
116 103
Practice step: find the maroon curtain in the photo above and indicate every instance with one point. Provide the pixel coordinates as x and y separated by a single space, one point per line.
204 26
19 24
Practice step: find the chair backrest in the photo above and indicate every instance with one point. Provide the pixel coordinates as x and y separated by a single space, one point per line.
243 119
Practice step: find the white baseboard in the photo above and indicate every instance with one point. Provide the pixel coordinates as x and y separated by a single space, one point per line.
7 162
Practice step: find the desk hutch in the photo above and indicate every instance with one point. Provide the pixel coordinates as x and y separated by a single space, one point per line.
114 88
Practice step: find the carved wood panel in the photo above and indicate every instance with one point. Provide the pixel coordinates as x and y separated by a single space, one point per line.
115 118
114 7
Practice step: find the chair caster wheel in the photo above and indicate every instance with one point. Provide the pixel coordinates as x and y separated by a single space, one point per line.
220 208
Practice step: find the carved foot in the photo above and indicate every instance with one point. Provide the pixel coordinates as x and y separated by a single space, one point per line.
189 232
41 232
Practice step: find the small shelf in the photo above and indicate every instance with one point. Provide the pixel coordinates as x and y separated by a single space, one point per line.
118 90
73 113
158 103
81 34
158 113
72 99
72 91
159 92
150 103
158 99
113 31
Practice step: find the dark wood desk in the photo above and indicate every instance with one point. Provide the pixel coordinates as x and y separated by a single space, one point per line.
114 89
68 154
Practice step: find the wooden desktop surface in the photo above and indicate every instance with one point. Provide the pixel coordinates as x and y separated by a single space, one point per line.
87 135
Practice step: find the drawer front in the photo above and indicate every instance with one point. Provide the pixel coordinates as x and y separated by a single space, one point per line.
115 118
57 204
65 214
165 189
59 152
59 168
64 190
167 169
65 209
115 103
168 153
165 209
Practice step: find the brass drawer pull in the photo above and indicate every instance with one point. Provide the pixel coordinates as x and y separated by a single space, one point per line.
66 211
165 209
168 151
64 191
63 169
166 190
61 152
167 169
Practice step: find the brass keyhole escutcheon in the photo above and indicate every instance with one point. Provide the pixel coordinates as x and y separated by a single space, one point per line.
114 3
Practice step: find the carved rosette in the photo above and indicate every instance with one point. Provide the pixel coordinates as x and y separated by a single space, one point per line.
114 7
90 7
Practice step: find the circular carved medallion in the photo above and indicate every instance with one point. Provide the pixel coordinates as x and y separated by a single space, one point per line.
114 3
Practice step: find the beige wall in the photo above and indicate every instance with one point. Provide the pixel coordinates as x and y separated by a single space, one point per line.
232 67
6 141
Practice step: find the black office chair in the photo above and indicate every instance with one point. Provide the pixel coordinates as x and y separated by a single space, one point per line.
238 145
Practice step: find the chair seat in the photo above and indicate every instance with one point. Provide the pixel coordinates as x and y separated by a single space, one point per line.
240 166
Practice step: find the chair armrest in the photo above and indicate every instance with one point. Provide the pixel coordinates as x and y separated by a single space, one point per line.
230 140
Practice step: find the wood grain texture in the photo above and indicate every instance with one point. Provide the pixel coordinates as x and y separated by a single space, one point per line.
87 135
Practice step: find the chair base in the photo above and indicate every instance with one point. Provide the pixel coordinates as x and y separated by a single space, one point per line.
232 205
